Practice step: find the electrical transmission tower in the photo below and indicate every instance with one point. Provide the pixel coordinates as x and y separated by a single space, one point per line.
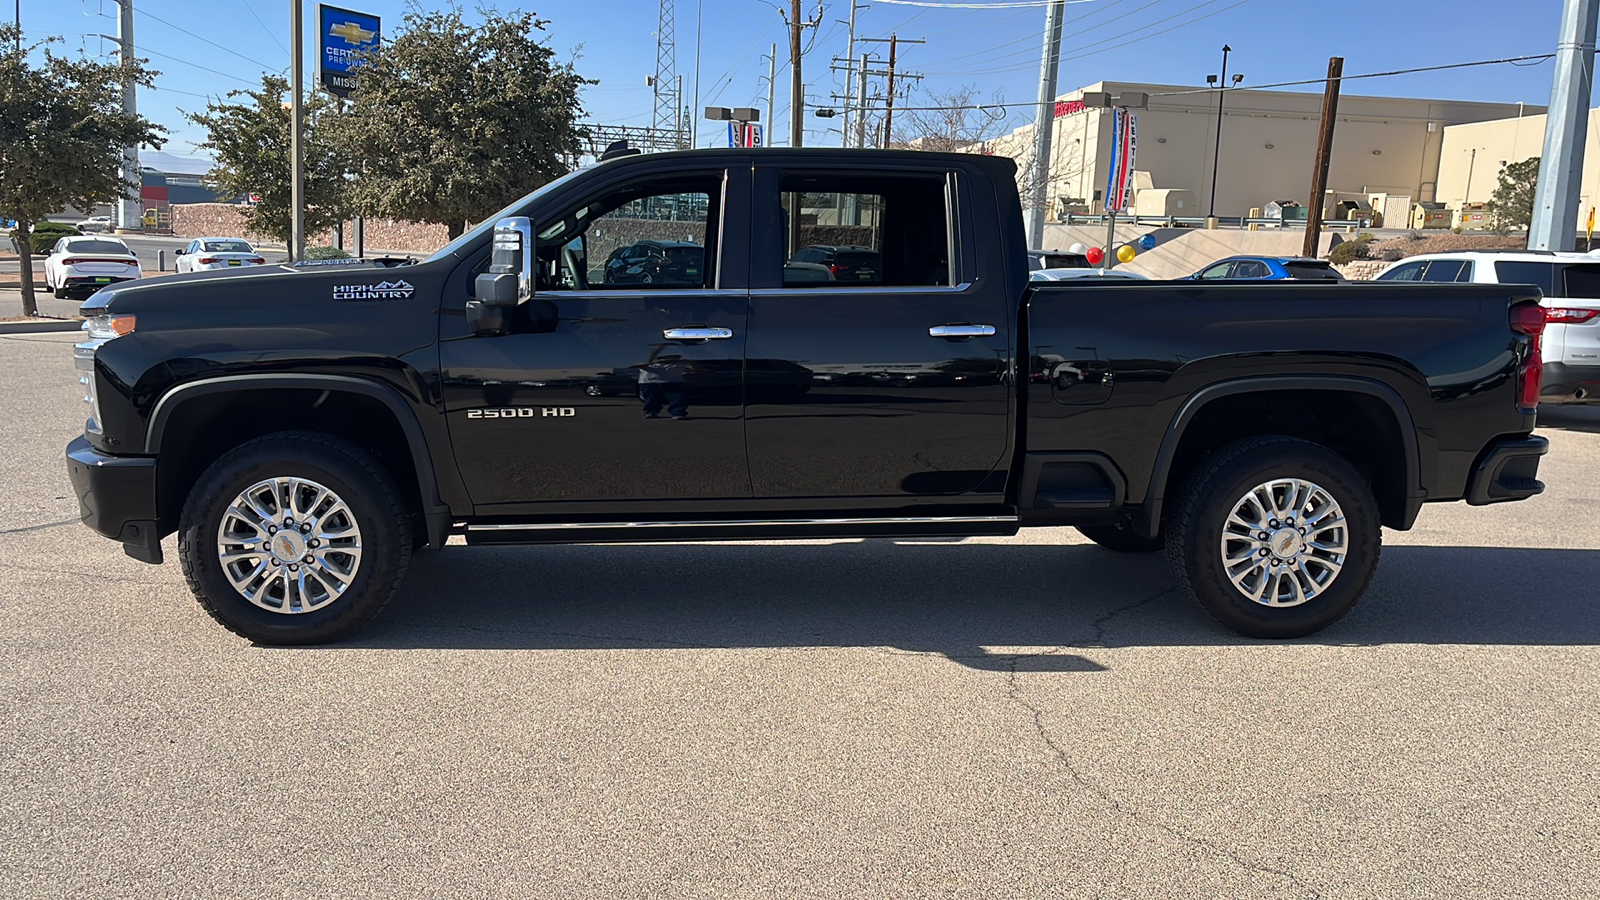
669 117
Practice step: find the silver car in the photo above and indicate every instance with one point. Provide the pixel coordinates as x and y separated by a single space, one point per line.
218 253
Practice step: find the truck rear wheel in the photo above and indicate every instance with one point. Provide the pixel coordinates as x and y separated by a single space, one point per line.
1275 537
294 538
1122 540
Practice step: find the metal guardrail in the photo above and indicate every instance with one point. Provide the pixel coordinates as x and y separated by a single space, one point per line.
1346 226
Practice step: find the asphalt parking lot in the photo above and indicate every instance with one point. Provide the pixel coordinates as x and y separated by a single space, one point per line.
1022 717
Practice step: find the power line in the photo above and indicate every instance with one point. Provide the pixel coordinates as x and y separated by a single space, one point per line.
1513 60
270 33
1000 4
149 14
196 65
1029 51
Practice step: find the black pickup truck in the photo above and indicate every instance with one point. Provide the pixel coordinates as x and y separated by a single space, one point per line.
303 429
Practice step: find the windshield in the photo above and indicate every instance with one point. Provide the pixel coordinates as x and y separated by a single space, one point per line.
487 225
98 247
228 247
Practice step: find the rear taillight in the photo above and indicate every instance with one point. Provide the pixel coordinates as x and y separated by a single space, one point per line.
207 260
257 260
1529 319
1559 315
72 261
836 270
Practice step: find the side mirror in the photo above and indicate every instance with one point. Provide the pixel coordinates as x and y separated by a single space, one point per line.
179 251
509 280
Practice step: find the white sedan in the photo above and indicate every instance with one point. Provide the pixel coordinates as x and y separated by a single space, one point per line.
218 253
1084 275
80 265
96 223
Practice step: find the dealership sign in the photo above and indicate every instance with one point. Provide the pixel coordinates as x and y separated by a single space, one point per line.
344 36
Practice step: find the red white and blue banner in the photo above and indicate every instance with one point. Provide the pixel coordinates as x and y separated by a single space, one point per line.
1124 155
744 134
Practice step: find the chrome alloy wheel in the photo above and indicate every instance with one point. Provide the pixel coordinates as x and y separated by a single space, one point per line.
1285 542
289 545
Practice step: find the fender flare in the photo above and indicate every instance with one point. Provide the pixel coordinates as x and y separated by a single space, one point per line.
1149 517
436 514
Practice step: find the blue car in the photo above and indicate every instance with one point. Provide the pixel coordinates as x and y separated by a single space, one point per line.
1269 268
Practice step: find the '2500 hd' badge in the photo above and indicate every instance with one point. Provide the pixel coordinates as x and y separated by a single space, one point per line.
383 290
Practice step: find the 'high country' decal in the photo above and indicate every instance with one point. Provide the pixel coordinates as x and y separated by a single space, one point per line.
383 290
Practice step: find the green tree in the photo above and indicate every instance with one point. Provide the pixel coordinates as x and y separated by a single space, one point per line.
248 133
450 121
62 130
1511 204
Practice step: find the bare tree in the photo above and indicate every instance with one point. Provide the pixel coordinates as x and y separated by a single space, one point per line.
955 120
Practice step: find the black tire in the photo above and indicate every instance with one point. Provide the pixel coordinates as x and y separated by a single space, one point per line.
1122 540
1209 496
350 473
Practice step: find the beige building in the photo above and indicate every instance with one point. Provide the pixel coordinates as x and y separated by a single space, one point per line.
1473 155
1382 146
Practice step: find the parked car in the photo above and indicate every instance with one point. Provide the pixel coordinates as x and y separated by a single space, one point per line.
218 253
1270 268
1571 286
1084 275
656 262
1056 259
96 224
79 266
847 262
806 273
1264 435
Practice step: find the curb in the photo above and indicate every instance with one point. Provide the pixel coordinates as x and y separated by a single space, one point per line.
42 326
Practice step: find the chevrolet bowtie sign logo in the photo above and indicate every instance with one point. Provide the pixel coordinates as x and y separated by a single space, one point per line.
352 32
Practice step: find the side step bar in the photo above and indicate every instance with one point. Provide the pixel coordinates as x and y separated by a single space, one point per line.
738 530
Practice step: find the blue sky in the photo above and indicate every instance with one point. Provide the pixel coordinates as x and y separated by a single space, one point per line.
995 50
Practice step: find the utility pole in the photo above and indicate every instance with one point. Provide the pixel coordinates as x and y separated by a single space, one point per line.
893 40
772 96
1044 125
297 128
861 97
129 212
1555 204
1319 175
797 91
693 123
849 82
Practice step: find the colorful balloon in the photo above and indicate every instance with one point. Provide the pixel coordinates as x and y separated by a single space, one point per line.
1095 254
1147 242
1126 253
1079 249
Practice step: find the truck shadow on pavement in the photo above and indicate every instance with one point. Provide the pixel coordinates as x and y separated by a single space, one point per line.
1000 607
1570 418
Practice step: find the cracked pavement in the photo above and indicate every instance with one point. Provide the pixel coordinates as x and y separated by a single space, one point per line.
1017 717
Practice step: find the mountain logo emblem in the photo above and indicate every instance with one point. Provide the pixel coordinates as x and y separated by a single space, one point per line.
383 290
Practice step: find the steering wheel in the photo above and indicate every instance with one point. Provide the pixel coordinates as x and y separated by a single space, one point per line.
580 278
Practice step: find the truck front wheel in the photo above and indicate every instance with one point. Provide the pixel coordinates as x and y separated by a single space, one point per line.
1275 537
294 538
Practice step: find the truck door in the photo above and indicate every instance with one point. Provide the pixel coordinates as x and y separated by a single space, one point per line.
633 390
880 378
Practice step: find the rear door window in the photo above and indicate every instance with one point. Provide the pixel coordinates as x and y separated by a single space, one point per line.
1251 268
1311 271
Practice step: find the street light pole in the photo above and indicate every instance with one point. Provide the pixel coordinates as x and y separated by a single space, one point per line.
1216 153
297 174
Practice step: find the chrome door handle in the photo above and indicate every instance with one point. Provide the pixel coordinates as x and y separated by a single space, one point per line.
697 333
960 331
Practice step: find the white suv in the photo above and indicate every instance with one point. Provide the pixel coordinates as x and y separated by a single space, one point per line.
1571 286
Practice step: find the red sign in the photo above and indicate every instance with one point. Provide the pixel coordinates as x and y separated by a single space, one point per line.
1068 107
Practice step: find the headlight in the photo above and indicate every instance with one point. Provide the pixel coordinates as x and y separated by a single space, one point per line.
100 329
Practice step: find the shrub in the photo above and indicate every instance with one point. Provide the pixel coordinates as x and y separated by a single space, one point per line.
1393 254
45 235
1349 251
325 253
